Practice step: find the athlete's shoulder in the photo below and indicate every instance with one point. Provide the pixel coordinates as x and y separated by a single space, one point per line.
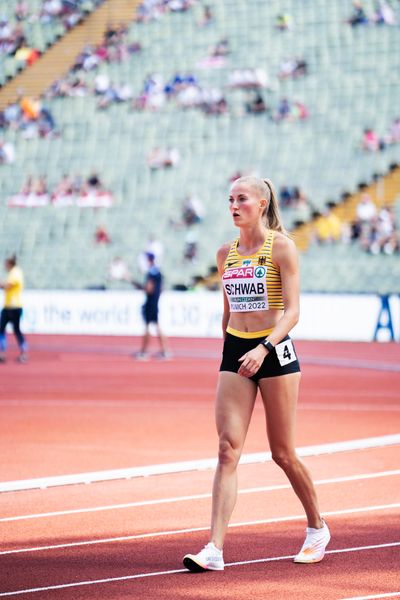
284 248
15 274
283 241
222 254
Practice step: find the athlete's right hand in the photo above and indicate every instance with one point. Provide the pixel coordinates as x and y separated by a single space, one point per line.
252 361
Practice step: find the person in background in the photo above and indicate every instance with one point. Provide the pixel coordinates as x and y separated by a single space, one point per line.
12 311
152 288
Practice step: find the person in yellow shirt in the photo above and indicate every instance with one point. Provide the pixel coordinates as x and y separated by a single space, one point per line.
12 311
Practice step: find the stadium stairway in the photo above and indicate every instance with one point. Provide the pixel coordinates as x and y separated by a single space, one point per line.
58 59
385 191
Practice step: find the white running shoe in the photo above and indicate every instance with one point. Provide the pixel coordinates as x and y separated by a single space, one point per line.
313 549
208 559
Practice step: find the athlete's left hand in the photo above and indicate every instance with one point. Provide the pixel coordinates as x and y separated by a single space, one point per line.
252 361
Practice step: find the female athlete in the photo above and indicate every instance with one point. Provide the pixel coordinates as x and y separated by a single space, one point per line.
260 276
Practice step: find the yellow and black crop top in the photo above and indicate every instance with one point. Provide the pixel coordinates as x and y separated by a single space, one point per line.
252 283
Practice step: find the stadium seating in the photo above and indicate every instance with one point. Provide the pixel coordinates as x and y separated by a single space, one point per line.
352 81
39 34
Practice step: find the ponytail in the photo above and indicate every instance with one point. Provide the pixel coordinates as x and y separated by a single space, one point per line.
272 214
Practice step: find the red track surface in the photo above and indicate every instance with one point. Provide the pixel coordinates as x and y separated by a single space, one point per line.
83 404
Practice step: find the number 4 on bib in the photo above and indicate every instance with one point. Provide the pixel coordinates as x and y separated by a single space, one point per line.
285 352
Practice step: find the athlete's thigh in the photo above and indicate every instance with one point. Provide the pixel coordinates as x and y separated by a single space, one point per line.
279 396
234 406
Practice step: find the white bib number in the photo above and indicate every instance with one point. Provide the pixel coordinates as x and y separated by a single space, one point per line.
285 352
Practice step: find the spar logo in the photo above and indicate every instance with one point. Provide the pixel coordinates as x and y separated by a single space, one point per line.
259 272
239 273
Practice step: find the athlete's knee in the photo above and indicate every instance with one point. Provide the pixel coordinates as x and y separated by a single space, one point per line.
285 458
228 453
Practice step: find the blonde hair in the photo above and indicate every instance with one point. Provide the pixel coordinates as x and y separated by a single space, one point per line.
272 214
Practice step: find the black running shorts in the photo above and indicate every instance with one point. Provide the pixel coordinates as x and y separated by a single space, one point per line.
280 361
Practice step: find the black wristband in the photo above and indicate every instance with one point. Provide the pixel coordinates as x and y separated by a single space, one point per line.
267 344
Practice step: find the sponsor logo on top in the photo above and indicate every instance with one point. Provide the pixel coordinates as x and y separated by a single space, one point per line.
239 273
259 272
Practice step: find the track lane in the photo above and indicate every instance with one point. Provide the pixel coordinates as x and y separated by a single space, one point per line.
336 402
243 544
190 513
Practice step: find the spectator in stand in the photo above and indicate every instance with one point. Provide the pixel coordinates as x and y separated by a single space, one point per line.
7 153
299 111
93 182
384 13
30 108
256 105
393 136
248 79
191 248
101 235
30 118
70 191
371 141
283 22
21 11
149 10
163 158
359 16
207 18
328 227
64 187
115 94
362 226
192 211
28 186
283 110
41 187
215 106
285 196
12 38
118 270
221 48
12 116
291 197
26 55
293 68
384 236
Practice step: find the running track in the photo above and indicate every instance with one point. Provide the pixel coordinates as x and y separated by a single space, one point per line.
145 434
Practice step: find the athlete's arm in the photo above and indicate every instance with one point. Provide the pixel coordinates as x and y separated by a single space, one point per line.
284 255
8 285
221 258
149 286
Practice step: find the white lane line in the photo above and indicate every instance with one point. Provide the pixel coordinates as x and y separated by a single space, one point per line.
391 595
175 571
192 465
154 534
256 490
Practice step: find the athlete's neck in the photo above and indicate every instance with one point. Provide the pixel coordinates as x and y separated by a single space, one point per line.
250 239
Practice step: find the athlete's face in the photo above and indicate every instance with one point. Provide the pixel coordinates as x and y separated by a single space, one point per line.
246 204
